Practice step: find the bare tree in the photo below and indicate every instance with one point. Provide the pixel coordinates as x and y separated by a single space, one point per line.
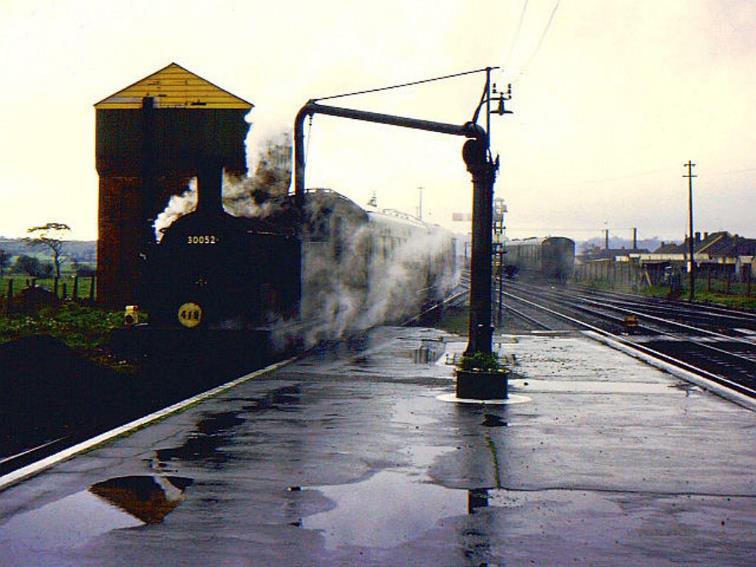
50 235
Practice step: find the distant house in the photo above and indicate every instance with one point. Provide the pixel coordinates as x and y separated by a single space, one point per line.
597 253
721 250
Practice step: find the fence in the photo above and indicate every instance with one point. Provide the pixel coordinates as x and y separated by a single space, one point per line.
22 294
612 275
631 276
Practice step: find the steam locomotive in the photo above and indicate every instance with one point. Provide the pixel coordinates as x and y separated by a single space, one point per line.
551 258
293 274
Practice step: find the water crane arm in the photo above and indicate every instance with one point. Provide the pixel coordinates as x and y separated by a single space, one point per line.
467 130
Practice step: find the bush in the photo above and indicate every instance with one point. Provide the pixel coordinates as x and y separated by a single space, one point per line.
480 361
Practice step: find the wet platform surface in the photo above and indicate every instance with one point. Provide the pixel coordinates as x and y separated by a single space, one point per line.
348 457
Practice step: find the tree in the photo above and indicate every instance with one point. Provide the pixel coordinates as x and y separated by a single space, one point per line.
50 235
28 265
5 259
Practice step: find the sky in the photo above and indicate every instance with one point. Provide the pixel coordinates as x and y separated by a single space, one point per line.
610 99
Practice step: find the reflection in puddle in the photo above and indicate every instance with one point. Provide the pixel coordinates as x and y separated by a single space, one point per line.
429 351
477 498
364 516
149 498
70 522
491 420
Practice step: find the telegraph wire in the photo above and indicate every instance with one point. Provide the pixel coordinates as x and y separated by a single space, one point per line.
454 75
540 43
516 36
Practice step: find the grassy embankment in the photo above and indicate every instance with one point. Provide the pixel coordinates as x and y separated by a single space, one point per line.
716 292
737 297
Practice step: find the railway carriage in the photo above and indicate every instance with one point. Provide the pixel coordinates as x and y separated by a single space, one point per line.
551 258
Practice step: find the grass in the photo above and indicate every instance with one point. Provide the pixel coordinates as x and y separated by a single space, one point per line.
736 299
456 320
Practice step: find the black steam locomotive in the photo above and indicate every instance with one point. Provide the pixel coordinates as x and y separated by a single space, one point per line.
292 275
551 258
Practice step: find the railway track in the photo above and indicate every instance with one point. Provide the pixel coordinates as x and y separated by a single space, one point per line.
715 344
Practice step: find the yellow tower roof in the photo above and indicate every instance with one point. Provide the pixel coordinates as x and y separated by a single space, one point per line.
174 87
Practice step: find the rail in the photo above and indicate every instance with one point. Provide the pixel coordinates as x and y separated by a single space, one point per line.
716 374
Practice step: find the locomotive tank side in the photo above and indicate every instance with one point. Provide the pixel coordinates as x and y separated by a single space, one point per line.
215 271
220 272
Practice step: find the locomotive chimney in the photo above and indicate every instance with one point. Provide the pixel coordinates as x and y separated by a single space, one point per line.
210 187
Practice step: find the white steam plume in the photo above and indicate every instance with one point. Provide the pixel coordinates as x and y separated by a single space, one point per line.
244 197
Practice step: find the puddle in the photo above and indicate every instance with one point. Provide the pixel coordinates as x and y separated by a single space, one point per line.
69 523
216 431
204 443
364 516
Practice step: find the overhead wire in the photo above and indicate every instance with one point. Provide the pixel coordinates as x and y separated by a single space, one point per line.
412 83
505 66
539 44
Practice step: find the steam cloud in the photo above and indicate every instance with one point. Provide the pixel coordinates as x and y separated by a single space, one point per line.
243 197
347 292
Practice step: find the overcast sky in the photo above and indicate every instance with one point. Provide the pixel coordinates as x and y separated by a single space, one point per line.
611 97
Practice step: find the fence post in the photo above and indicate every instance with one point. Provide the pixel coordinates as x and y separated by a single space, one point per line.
729 280
91 289
8 306
748 280
75 290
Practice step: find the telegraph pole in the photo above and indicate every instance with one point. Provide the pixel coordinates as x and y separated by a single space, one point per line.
691 251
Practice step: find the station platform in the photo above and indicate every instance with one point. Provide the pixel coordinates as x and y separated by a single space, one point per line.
354 456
